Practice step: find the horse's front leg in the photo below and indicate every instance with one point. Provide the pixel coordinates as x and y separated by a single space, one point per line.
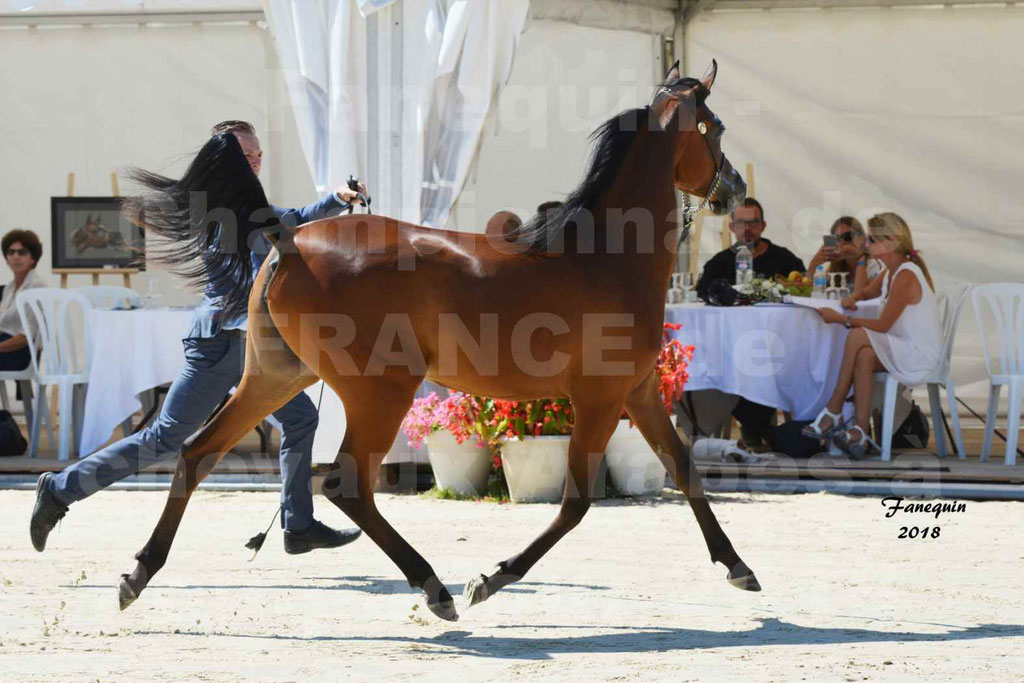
594 427
257 396
645 407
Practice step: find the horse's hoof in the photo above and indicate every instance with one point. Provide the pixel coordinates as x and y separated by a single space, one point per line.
741 577
476 591
444 610
126 595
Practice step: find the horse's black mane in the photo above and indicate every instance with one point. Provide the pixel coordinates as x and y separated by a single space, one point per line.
612 141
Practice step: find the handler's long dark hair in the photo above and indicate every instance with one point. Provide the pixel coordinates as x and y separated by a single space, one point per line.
207 218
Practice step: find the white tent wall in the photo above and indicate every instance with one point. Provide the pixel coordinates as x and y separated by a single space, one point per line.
854 111
566 81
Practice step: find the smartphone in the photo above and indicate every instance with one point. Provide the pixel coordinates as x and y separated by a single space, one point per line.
830 241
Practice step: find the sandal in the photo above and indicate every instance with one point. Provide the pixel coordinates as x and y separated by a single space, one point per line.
814 430
858 449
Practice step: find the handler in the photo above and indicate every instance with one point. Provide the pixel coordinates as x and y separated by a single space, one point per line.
214 362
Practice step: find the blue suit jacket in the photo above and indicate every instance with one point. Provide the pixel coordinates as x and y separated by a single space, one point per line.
208 319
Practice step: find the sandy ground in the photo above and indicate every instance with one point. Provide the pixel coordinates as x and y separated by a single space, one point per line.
629 595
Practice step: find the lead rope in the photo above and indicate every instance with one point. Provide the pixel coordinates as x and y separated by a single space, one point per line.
256 542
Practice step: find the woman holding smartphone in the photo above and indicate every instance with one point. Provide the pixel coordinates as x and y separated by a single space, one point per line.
905 341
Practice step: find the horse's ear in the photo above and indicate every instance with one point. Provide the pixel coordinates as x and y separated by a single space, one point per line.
673 74
670 108
709 77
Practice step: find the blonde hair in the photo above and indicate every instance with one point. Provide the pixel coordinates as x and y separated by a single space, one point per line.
891 227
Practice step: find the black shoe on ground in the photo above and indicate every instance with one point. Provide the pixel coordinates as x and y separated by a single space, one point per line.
318 535
46 513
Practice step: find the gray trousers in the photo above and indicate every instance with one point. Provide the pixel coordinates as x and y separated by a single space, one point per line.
212 367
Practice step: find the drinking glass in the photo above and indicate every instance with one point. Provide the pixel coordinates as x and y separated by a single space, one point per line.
154 297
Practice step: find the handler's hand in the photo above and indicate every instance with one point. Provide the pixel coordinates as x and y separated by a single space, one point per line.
350 197
831 316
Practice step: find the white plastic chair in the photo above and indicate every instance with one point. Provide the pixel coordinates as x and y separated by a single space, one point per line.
1005 302
48 313
108 296
950 303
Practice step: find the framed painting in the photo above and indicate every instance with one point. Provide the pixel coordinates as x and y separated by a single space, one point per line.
91 233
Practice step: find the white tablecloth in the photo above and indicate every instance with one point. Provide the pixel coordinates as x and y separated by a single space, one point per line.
132 352
774 354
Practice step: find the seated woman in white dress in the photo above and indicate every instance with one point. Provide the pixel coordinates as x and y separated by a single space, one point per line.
905 341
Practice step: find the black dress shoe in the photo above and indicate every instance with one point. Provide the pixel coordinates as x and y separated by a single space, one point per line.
318 535
46 513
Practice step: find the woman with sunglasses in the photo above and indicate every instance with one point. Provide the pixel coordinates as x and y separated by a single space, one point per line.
22 249
905 341
848 256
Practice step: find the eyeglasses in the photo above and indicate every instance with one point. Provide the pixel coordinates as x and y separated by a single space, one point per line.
751 223
845 236
17 252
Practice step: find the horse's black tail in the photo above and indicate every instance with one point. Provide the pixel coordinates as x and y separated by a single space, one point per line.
207 219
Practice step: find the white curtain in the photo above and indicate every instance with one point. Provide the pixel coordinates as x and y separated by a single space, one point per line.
321 46
455 57
463 52
477 44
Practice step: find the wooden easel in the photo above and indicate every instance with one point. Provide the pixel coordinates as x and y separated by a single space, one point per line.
126 273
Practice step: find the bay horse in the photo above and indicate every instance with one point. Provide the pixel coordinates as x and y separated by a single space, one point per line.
466 312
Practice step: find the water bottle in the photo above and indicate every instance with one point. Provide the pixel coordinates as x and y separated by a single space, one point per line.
819 283
744 266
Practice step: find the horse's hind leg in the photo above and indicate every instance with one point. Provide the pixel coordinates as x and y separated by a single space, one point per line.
590 435
374 409
271 379
645 407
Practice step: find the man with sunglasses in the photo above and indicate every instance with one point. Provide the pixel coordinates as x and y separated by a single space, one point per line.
747 224
214 362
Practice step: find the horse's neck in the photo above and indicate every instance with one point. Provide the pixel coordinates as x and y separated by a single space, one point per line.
644 184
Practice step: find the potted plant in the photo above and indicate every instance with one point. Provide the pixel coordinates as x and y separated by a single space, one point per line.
534 445
634 468
459 450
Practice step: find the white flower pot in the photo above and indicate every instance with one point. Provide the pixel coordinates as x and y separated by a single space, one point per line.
535 468
634 468
463 468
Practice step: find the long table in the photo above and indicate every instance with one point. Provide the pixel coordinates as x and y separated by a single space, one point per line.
780 355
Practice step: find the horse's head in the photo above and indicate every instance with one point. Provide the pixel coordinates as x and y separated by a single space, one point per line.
701 167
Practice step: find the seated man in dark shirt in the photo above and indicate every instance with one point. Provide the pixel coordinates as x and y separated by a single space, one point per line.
747 224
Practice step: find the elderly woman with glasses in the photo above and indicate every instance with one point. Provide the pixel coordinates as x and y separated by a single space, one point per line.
22 249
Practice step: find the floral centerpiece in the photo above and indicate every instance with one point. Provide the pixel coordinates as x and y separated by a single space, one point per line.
760 290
